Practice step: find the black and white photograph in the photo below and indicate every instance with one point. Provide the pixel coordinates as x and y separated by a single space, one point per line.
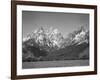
51 39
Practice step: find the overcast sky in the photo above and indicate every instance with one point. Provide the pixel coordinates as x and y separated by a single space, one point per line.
64 22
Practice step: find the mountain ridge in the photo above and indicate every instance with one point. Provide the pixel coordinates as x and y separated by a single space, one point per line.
49 44
53 38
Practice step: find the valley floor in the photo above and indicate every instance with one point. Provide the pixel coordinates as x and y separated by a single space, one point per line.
46 64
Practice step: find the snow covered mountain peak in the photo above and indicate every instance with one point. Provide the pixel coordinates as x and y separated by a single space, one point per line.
46 37
81 35
52 38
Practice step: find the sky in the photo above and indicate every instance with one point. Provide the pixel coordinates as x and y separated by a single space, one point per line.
64 22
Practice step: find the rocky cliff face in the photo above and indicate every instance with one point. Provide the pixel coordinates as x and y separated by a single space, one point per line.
50 41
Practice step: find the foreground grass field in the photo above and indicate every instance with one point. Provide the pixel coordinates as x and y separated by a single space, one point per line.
46 64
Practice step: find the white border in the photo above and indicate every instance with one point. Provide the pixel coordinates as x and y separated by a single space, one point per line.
21 71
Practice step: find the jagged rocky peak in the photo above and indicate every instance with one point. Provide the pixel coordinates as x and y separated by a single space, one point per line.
47 37
52 38
79 36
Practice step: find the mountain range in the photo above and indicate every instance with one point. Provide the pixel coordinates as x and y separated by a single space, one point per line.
49 44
